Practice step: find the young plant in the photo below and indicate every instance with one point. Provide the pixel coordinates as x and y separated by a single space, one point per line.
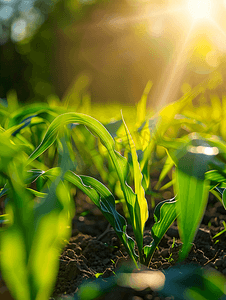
199 158
38 226
33 238
103 198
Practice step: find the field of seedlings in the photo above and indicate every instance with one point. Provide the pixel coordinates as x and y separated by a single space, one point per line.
134 206
112 150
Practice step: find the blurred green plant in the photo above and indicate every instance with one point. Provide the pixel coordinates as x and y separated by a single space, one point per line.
32 216
36 232
39 158
197 150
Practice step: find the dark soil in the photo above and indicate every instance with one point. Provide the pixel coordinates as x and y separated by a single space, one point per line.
95 249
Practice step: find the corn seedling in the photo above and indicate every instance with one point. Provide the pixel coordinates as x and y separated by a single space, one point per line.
37 148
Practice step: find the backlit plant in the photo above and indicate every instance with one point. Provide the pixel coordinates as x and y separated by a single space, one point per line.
38 220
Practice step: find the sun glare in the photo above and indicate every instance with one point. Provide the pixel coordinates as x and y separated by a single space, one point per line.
200 9
198 19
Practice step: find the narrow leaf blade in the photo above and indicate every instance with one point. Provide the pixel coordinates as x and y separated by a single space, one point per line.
105 201
192 201
164 214
140 212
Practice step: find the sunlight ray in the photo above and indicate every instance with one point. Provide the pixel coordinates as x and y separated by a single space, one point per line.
219 28
200 11
175 73
118 21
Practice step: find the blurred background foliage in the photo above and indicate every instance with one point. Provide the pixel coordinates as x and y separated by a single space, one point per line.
106 50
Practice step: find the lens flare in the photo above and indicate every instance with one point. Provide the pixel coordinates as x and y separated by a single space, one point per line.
200 9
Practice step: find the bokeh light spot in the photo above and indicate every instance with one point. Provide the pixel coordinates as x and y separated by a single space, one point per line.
6 12
19 30
203 150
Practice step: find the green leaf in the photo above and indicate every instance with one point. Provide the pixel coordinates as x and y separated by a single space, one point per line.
37 231
120 163
146 162
141 105
221 232
9 151
13 262
165 170
52 227
52 133
164 215
139 214
192 191
215 176
167 185
105 201
32 110
36 193
33 175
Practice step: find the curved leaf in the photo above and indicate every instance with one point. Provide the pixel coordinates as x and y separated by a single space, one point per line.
29 111
164 215
105 201
120 162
